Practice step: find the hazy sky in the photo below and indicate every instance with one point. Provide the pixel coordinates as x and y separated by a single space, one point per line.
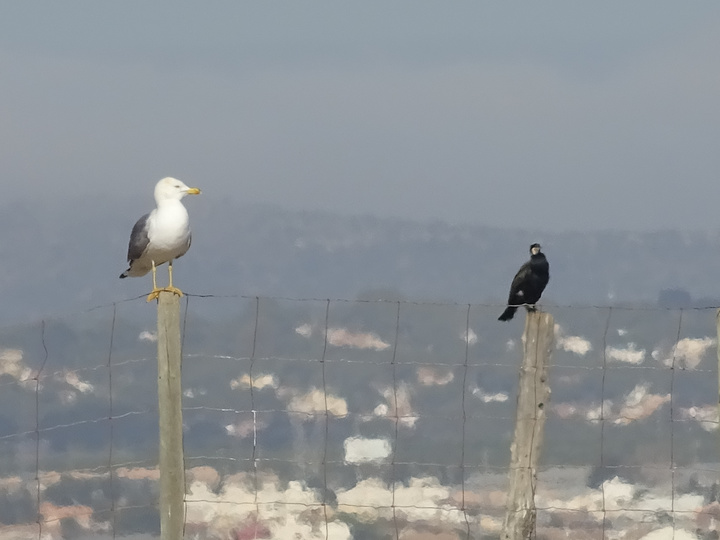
553 115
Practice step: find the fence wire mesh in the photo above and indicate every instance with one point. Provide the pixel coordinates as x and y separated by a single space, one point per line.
337 419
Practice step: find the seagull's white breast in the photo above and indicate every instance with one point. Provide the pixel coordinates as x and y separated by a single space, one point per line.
168 232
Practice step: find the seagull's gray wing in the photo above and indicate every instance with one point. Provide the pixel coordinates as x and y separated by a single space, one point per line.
139 239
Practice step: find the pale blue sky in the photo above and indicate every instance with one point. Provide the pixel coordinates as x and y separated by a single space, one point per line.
560 115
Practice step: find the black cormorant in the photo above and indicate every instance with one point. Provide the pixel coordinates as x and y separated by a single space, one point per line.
528 284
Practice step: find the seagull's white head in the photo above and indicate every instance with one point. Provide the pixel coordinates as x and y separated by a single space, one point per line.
172 189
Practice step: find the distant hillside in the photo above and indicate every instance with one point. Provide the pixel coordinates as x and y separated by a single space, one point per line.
67 259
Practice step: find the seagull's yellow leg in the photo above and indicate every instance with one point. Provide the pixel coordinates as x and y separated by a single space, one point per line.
155 292
170 287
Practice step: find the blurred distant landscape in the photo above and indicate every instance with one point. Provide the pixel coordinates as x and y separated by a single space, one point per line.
322 410
403 383
64 259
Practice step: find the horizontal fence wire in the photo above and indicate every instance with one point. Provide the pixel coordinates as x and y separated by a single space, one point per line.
336 418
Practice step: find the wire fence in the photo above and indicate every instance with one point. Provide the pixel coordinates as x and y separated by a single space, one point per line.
339 419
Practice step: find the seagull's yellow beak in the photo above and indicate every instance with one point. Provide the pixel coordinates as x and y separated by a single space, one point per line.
194 191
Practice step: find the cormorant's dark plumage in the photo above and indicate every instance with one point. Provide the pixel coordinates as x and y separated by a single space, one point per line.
528 284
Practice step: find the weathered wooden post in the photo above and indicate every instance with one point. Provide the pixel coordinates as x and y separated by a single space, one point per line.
533 395
172 462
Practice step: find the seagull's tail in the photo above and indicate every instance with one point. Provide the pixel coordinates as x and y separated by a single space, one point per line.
124 274
508 313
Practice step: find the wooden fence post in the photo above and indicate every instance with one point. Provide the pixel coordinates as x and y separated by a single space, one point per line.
172 462
533 395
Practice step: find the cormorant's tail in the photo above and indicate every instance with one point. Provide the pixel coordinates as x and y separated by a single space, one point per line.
508 313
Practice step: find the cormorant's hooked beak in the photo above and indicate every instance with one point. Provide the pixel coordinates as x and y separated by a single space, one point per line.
193 191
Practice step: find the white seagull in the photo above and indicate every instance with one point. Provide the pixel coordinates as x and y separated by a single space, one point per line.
162 235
